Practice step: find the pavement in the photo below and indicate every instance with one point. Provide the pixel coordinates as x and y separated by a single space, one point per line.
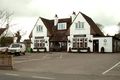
66 66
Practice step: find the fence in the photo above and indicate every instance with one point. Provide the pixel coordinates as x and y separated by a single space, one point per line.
6 62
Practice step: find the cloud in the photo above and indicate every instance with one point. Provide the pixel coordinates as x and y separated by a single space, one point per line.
105 12
19 7
111 30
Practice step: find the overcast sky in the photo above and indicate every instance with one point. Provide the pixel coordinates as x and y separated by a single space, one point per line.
26 12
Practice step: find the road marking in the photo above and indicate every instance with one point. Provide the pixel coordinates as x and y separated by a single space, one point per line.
40 77
11 74
111 68
26 61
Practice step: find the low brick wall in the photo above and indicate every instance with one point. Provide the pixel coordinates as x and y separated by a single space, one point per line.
6 62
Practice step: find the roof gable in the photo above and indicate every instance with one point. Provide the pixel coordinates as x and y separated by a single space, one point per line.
52 31
48 24
94 30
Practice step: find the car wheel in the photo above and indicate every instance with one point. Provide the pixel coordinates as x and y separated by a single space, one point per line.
23 53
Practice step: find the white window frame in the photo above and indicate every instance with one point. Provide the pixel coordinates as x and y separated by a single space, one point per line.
39 43
77 41
39 28
62 26
79 25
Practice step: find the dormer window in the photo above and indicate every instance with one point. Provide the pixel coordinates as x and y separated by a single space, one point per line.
79 25
39 28
61 26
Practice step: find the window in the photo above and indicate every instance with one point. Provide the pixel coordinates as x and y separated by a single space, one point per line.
74 43
39 28
79 42
39 43
15 45
79 25
61 26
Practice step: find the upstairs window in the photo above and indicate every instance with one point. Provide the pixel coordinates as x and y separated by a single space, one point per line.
61 26
79 25
39 28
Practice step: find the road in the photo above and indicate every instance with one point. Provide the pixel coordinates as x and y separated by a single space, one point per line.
64 66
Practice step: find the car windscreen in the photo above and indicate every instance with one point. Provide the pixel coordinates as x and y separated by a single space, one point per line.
15 45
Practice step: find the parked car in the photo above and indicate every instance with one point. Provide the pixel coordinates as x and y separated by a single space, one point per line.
17 48
3 49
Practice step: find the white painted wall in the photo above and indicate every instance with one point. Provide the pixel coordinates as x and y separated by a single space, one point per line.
84 31
90 44
35 33
47 43
44 33
107 45
69 44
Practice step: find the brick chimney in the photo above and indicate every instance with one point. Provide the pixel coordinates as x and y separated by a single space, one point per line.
73 16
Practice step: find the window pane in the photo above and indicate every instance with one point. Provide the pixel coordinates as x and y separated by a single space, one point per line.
85 44
61 26
74 40
77 44
73 45
81 44
39 43
82 26
39 28
76 25
79 25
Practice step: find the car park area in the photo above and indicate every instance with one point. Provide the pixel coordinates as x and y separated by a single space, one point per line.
70 66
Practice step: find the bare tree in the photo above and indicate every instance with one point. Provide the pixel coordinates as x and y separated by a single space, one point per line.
5 17
4 20
18 36
118 34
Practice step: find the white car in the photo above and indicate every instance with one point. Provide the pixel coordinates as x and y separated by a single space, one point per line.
17 48
3 49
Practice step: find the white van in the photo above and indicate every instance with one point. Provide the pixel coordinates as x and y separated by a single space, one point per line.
17 48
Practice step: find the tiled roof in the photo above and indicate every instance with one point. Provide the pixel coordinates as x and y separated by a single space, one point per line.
49 25
57 35
61 35
94 30
53 32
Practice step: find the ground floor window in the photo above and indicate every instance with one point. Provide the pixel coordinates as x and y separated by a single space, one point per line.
39 43
79 42
58 46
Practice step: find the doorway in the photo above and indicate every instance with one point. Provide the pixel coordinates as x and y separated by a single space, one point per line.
56 46
95 45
